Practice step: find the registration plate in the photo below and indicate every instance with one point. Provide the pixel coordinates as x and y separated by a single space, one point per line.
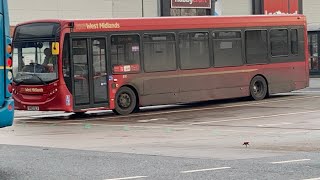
33 108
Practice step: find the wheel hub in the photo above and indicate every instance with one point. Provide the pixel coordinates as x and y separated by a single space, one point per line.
124 100
257 88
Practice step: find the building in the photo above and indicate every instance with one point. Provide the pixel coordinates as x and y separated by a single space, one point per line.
21 11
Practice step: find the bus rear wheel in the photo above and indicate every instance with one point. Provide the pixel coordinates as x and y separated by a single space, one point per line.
125 102
258 88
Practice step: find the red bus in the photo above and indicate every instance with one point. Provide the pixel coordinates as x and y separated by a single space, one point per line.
123 64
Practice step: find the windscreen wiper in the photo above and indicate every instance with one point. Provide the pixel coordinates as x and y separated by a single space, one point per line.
20 82
35 75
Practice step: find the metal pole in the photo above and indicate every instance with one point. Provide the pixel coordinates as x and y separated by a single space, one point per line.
213 7
142 5
159 8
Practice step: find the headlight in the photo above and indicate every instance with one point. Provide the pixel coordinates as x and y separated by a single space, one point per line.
10 76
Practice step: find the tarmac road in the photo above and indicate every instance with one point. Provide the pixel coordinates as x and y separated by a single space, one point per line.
194 141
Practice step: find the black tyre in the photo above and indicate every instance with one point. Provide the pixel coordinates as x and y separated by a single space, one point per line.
258 88
137 109
126 101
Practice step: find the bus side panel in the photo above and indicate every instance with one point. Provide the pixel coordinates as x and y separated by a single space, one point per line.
286 77
236 83
301 68
6 105
160 88
280 78
6 113
2 62
218 83
301 79
293 74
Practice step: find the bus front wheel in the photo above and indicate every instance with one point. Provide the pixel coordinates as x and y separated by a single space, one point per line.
258 88
125 102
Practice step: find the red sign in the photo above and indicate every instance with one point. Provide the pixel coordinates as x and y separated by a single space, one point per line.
191 4
294 6
126 68
281 6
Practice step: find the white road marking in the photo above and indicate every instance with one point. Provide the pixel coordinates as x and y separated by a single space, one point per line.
256 117
202 170
313 179
279 124
152 120
124 178
290 161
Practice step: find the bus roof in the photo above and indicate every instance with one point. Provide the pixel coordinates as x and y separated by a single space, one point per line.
185 22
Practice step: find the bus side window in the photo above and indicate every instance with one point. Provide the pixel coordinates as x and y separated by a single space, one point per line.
194 50
256 46
159 52
279 42
227 48
125 53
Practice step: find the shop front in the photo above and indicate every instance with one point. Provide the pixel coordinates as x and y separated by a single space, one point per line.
314 48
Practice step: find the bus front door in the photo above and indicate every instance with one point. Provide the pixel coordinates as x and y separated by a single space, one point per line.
89 73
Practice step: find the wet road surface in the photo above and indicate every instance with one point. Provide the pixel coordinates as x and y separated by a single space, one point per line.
193 141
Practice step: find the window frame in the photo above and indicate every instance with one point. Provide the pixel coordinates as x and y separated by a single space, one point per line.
241 38
288 42
176 49
298 44
268 61
226 30
179 61
109 56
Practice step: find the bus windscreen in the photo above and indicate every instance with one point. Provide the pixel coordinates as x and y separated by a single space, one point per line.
36 30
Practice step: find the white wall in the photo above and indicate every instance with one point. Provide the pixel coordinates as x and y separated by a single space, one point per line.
26 10
235 7
311 10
